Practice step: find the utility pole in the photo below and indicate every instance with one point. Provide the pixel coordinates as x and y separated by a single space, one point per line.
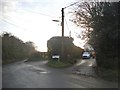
62 22
62 42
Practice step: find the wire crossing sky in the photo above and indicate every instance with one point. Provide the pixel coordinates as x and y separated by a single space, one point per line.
31 20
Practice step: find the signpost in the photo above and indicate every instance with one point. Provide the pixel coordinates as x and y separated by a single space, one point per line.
56 57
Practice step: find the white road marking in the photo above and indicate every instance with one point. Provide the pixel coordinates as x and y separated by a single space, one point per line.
80 63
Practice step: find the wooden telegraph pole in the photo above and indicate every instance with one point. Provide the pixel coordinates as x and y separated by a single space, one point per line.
62 22
62 42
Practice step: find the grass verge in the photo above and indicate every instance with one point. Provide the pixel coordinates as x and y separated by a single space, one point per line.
4 62
58 64
108 74
34 59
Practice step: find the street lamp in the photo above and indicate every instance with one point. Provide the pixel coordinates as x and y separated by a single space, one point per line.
56 20
62 39
62 22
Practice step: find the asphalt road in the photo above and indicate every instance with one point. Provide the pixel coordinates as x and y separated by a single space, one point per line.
38 75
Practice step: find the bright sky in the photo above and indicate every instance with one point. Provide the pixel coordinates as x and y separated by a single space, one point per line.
31 20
